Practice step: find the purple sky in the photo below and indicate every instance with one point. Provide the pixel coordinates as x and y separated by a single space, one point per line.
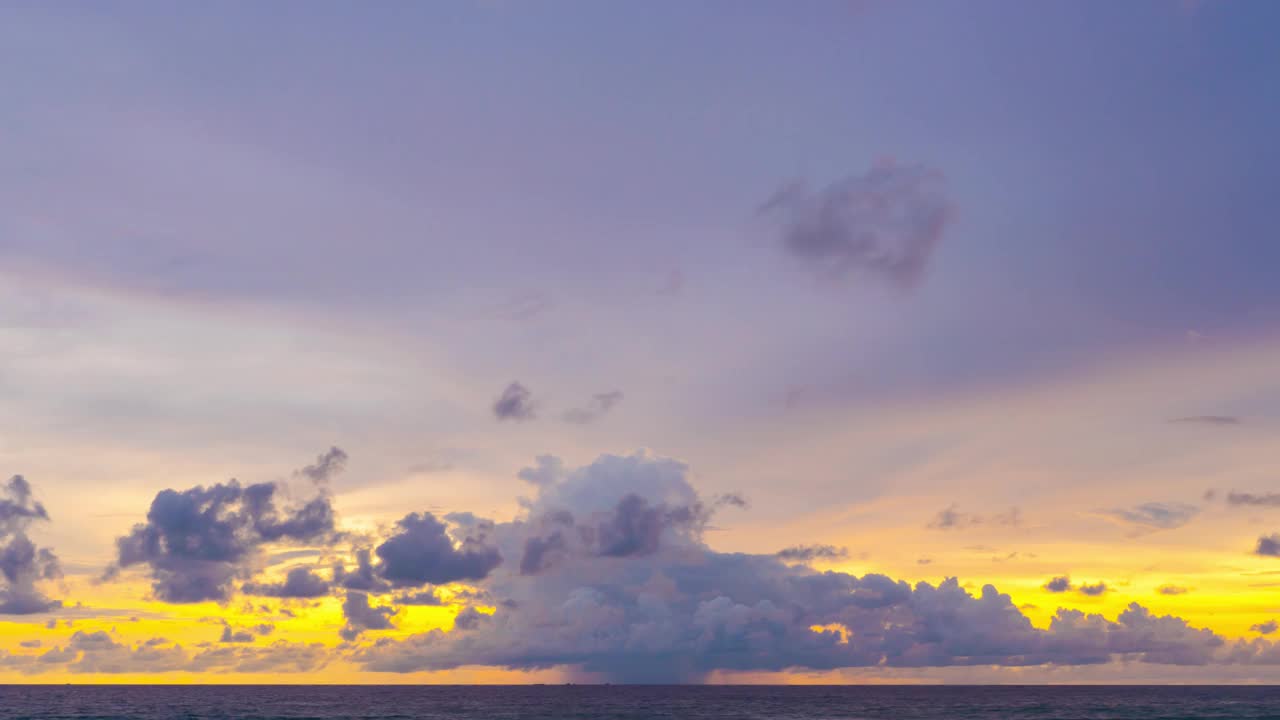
852 260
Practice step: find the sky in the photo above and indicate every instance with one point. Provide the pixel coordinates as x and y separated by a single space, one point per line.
487 341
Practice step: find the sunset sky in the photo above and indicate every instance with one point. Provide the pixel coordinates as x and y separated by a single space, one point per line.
497 341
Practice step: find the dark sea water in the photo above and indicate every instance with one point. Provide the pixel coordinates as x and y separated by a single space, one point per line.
635 702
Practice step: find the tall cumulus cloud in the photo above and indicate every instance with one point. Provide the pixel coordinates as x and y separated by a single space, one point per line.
22 563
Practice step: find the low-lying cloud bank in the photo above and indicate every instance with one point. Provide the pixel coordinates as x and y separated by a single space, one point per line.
101 652
605 571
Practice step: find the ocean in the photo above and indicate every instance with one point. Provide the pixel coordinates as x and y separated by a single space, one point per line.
588 702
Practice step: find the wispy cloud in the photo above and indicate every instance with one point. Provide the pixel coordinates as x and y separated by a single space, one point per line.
885 223
1207 420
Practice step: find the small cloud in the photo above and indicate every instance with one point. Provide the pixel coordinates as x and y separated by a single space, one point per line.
326 466
1152 516
1249 499
952 519
924 561
1207 420
515 403
525 305
809 553
1268 545
672 283
1058 584
731 499
1265 628
424 597
885 223
429 467
599 406
795 396
1172 590
1093 590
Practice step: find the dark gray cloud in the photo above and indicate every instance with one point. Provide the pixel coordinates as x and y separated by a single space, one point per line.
809 553
1172 590
1268 545
732 499
362 616
244 635
22 564
599 406
1252 500
952 519
1152 516
1207 420
1264 628
195 542
364 577
515 403
422 597
300 582
636 527
632 527
468 619
675 610
1059 584
423 552
326 467
1093 590
541 552
885 223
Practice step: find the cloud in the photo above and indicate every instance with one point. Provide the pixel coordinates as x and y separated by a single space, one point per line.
1152 516
1207 420
424 597
547 470
300 582
1058 584
468 619
661 606
569 516
195 542
1265 628
885 223
809 553
22 564
1172 590
1249 499
515 403
672 283
1268 545
327 465
1093 590
361 616
599 406
952 519
99 652
422 552
231 635
364 577
731 499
